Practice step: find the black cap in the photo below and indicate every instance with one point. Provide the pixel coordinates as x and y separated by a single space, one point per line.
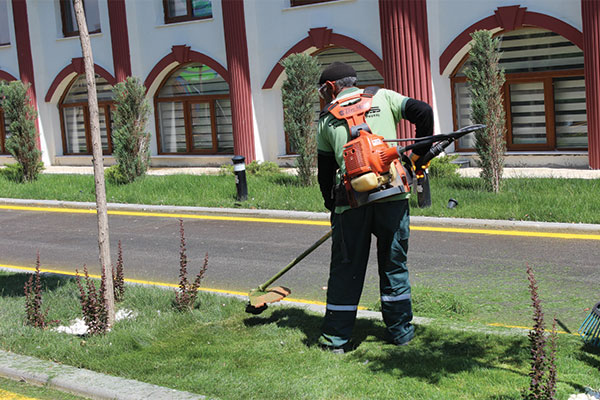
336 70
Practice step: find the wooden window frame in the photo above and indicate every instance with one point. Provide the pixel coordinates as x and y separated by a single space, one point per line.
187 102
182 18
299 3
547 78
63 17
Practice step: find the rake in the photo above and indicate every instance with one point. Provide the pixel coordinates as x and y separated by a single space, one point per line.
590 328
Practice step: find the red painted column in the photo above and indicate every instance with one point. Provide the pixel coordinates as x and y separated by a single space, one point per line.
590 15
236 45
119 38
24 52
405 45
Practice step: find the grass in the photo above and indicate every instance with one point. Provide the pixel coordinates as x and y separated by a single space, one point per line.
220 351
15 389
527 199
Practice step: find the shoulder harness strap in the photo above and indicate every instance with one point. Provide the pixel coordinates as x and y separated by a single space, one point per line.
354 113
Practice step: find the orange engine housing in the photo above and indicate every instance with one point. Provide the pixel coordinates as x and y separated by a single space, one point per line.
368 153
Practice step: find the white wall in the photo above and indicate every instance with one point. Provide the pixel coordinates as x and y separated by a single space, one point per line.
272 28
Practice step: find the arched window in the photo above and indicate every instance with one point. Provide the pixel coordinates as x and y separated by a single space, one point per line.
544 93
366 74
75 116
193 112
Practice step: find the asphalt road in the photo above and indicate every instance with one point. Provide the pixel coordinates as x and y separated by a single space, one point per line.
243 255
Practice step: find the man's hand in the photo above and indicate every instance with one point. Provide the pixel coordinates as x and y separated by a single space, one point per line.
414 157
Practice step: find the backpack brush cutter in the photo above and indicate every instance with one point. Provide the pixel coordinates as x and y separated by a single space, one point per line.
259 298
374 148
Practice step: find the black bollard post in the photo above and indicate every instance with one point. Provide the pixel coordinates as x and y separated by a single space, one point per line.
239 169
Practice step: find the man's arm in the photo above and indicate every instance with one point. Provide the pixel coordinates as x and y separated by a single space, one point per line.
326 167
421 115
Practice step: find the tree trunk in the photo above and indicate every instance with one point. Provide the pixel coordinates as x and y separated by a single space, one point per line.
103 238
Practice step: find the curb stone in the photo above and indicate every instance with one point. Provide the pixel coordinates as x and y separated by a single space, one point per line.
79 381
313 216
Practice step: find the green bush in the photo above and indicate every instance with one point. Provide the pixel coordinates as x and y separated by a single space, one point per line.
261 169
254 168
131 142
22 140
114 175
14 172
442 167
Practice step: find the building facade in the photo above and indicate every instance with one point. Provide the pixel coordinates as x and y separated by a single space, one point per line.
213 78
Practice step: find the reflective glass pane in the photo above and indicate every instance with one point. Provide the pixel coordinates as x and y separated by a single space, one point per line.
176 8
570 113
194 80
462 101
224 126
4 32
103 130
172 127
201 126
528 113
202 8
78 91
92 15
74 130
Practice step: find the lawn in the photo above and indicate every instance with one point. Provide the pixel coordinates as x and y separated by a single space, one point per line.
220 351
527 199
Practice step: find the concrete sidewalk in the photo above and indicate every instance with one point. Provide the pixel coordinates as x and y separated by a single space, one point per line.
467 172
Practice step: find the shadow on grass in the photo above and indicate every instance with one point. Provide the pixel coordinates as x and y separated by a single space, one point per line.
587 356
13 285
433 355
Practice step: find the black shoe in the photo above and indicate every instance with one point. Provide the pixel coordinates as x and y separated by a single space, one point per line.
338 349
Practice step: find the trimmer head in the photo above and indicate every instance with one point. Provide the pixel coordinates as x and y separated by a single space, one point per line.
259 299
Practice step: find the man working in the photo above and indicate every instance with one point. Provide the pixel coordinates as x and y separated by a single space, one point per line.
387 219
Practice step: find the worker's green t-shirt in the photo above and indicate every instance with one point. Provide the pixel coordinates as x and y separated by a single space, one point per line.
387 109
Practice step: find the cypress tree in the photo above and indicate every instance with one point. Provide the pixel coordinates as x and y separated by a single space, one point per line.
486 78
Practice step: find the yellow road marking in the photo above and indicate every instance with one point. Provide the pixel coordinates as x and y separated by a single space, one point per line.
232 292
529 328
4 395
167 215
153 283
553 235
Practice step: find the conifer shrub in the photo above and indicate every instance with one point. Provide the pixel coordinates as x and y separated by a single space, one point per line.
485 78
299 95
21 141
131 142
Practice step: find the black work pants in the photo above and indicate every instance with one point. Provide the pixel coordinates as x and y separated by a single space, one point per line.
351 242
